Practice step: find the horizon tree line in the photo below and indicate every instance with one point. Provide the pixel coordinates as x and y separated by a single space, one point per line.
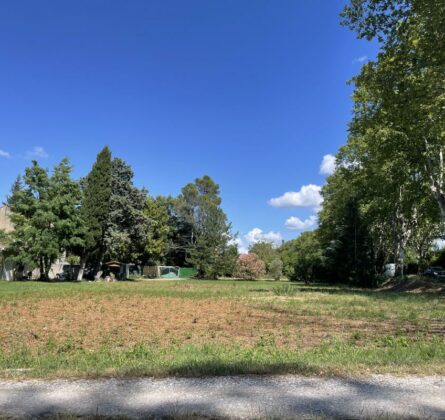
104 216
385 202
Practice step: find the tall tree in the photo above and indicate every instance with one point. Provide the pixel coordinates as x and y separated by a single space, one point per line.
45 214
96 207
210 244
181 233
126 229
301 257
65 199
397 134
34 237
158 230
400 97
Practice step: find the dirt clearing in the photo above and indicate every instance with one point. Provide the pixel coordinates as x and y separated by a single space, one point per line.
123 321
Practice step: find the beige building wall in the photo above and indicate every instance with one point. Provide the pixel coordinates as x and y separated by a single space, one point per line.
6 267
5 221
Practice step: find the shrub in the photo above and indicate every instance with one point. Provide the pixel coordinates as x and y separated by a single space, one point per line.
249 266
285 290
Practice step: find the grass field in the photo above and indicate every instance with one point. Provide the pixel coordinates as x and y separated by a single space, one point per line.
192 328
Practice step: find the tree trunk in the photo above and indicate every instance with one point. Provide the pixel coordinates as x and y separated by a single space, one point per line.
81 268
399 259
42 268
98 267
98 270
402 233
441 201
47 268
435 170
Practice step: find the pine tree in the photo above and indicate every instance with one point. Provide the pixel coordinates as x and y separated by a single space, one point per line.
180 233
209 247
34 239
127 228
65 200
45 214
95 211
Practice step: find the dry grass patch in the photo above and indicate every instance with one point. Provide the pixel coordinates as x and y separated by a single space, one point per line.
124 321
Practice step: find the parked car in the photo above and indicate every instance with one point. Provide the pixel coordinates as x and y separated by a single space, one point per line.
434 272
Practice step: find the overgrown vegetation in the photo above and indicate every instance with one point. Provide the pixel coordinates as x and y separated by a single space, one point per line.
214 328
385 202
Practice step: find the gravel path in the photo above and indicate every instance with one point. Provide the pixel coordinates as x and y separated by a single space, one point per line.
235 397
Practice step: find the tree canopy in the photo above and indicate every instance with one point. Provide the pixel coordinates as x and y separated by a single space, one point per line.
104 217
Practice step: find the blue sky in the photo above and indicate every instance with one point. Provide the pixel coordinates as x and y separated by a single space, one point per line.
250 92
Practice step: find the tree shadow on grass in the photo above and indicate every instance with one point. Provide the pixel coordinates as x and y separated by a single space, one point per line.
225 368
384 294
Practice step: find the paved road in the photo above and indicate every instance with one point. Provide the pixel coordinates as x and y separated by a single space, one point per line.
235 397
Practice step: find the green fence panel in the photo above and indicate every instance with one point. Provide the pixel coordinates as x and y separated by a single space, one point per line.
186 272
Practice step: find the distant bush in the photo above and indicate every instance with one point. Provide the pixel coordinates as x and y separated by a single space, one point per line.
303 258
250 267
276 269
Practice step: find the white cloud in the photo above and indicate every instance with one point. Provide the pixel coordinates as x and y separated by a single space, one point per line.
308 196
295 223
36 152
361 59
327 166
254 236
4 154
257 235
439 243
242 249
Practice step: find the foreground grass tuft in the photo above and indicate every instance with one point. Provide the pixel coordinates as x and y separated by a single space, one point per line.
330 358
285 289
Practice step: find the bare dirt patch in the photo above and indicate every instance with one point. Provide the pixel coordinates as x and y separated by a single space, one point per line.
123 321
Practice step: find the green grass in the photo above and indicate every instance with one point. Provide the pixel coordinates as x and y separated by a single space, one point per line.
331 358
195 289
386 345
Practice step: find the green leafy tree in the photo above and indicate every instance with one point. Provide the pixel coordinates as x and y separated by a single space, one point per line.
126 229
209 247
397 132
399 98
4 245
157 245
231 255
181 233
266 251
287 253
306 258
65 199
276 269
45 214
4 239
345 230
34 236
